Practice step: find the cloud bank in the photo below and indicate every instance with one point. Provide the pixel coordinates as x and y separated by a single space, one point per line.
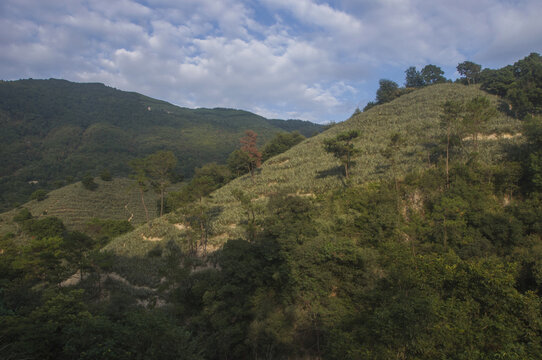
306 59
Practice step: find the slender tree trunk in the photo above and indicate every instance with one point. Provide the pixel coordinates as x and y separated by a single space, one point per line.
413 250
347 165
395 180
161 201
202 238
251 170
144 205
445 235
447 160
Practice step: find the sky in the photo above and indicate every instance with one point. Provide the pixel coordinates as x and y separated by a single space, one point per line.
290 59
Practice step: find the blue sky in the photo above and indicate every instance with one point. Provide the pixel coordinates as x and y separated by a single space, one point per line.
307 59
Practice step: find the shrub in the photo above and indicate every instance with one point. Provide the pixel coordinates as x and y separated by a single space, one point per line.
106 176
39 195
88 183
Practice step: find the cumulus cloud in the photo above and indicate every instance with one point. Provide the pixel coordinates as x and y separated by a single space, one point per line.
305 59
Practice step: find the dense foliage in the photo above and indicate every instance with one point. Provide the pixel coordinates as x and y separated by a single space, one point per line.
280 143
375 271
519 84
438 261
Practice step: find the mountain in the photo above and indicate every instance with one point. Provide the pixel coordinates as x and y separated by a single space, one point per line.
405 259
307 170
305 128
55 131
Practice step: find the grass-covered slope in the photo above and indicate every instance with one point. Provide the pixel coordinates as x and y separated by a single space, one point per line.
118 199
307 169
51 130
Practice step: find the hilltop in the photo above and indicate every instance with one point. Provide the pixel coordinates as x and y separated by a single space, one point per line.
307 170
54 131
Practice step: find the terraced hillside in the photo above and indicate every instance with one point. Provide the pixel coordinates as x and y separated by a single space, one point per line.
118 199
308 170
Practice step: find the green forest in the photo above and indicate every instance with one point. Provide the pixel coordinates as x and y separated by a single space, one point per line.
54 132
412 230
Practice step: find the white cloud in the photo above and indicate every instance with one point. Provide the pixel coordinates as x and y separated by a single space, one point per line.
306 59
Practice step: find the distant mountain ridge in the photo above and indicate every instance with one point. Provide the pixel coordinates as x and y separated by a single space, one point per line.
54 131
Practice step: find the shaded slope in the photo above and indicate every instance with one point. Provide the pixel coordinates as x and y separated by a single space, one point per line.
307 170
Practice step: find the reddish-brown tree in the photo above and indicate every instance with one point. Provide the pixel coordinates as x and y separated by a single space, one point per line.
248 145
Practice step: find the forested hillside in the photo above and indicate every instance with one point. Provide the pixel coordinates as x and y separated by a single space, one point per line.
53 132
413 230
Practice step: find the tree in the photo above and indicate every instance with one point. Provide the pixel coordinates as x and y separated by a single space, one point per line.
105 175
342 148
159 167
413 78
42 259
520 84
39 195
478 112
238 162
88 182
198 216
469 70
208 178
525 93
449 120
280 143
387 91
248 145
250 209
533 132
77 246
432 74
155 170
142 182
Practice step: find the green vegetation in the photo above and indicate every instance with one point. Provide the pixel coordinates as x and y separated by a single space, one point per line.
520 85
431 250
39 195
54 132
88 182
470 71
249 147
307 170
280 143
342 148
355 273
118 199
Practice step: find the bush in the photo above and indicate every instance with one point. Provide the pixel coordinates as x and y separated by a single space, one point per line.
106 176
43 228
88 183
39 195
22 215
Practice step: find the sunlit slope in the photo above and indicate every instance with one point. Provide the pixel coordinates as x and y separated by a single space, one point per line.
307 169
118 199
